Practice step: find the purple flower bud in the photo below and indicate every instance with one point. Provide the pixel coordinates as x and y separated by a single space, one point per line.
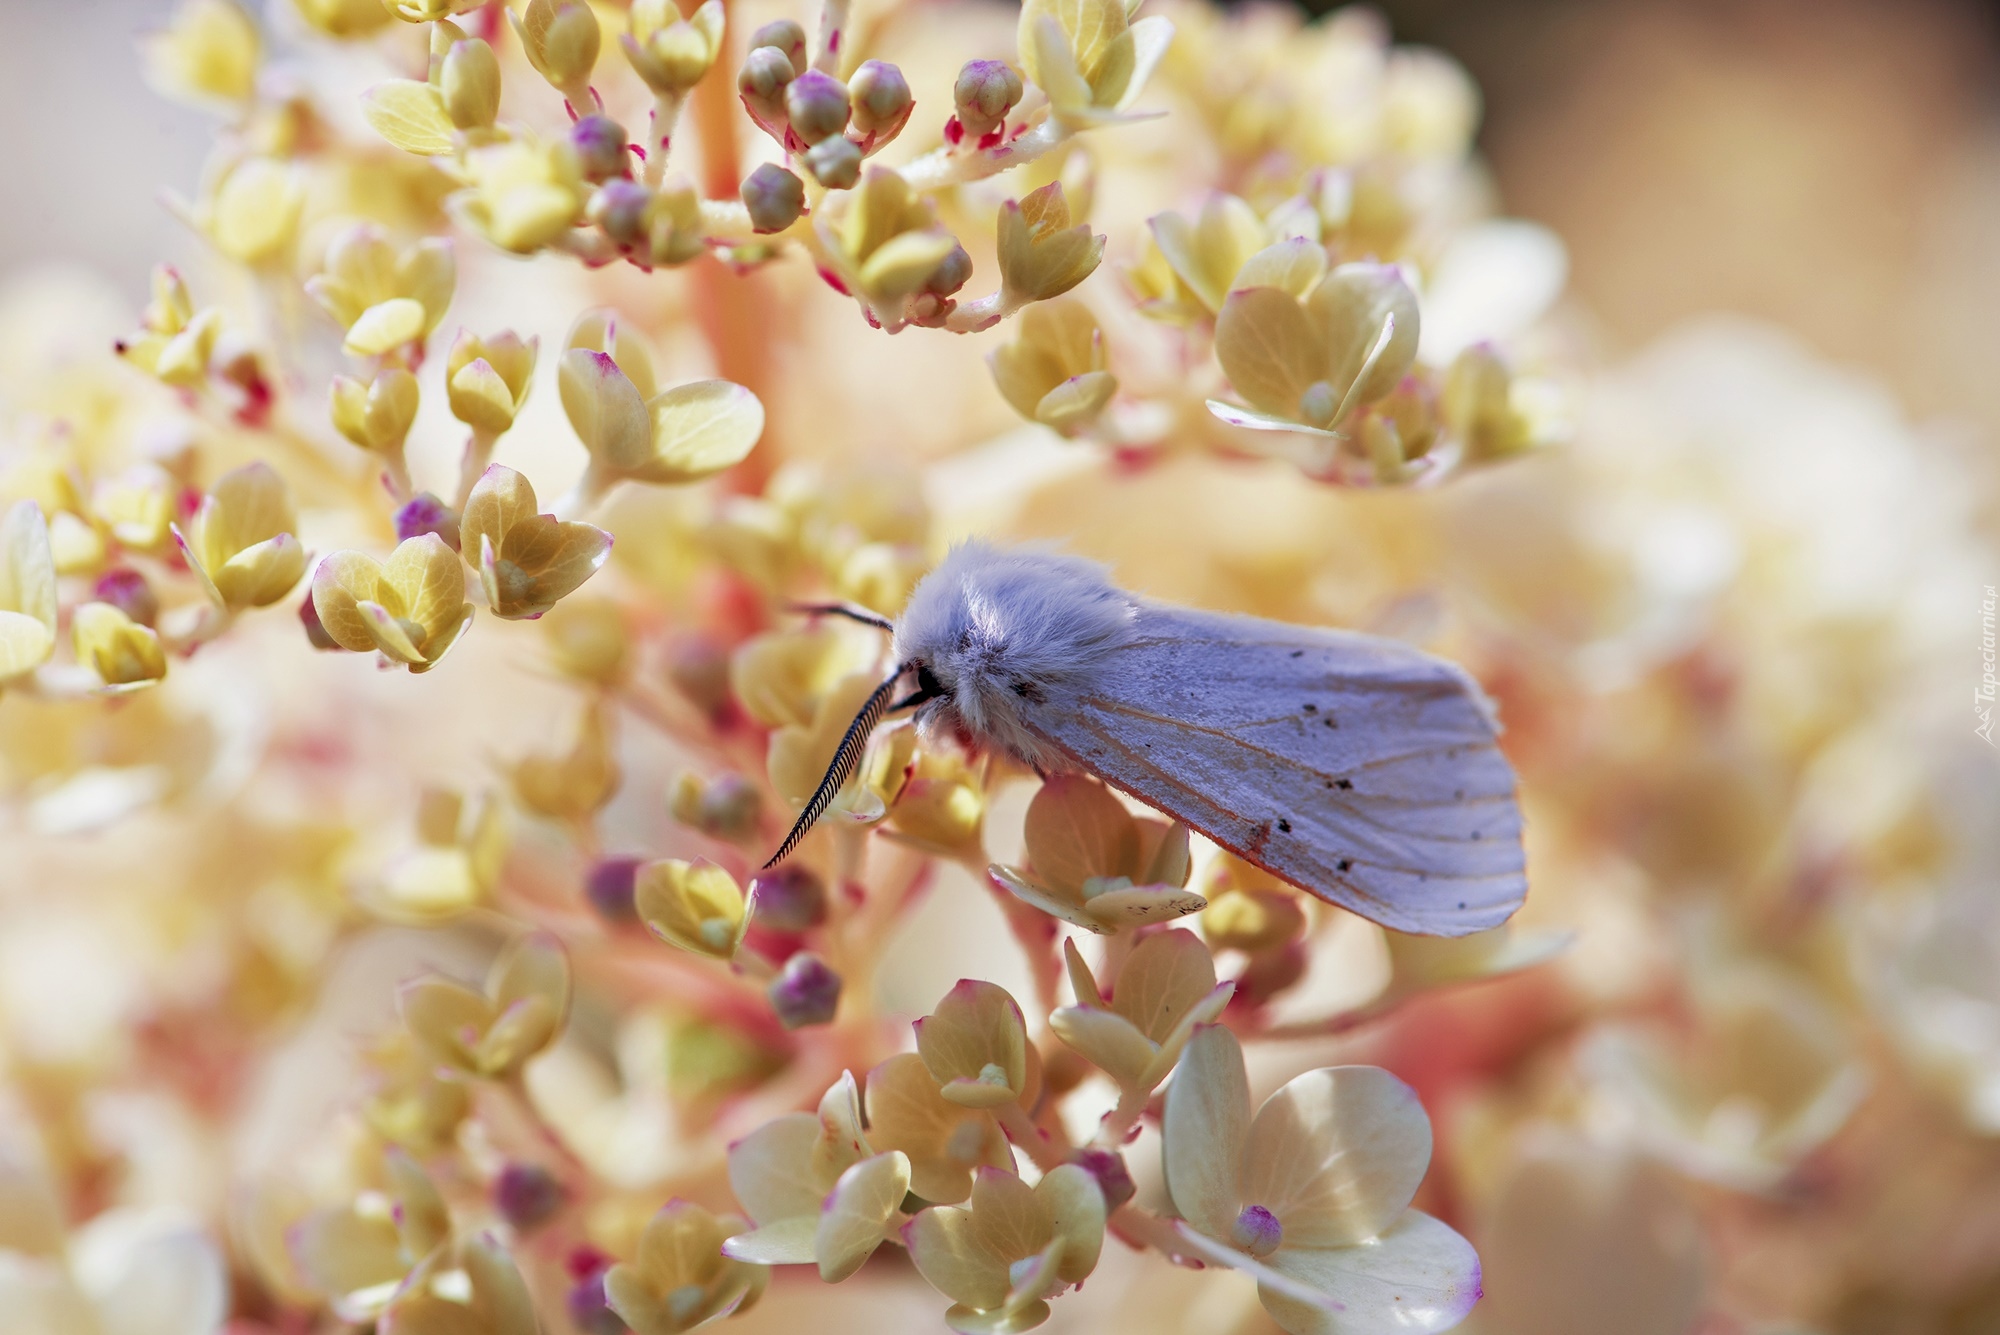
805 991
788 898
600 145
315 631
128 591
835 162
699 668
425 513
985 92
609 888
619 207
1114 1179
589 1311
881 97
762 82
787 36
526 1195
1257 1231
774 197
816 103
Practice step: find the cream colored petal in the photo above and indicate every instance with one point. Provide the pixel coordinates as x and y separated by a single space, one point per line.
1075 1203
1252 420
1269 350
341 582
1294 266
1107 1040
1076 401
27 568
447 1018
860 1206
1142 904
533 965
386 326
409 114
1082 983
1204 1011
150 1272
247 505
25 644
356 1261
389 633
499 501
1419 1276
1349 311
1150 37
1161 980
500 1297
1075 830
771 1171
605 410
1337 1155
944 1141
1028 891
789 1241
1204 1129
842 1142
261 574
428 584
946 1247
518 1033
699 429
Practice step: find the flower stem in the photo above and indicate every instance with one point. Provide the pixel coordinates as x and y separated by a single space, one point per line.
478 454
1044 1150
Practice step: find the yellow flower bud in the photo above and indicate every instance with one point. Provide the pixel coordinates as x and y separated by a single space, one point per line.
572 785
487 379
241 543
376 416
561 39
525 194
1089 58
469 81
679 1277
137 506
1207 253
410 114
344 18
251 213
680 435
887 243
1041 255
694 905
1165 988
945 1142
116 648
491 1034
975 1045
208 53
671 56
527 561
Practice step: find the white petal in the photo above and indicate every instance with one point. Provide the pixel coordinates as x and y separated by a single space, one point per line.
1236 415
151 1272
1206 1122
1493 281
1419 1276
1337 1155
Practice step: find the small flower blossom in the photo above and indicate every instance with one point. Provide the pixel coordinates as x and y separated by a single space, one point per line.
1053 370
680 1277
1307 367
1312 1194
1092 863
573 785
384 1245
137 505
175 342
240 542
377 416
121 652
495 1300
1041 255
819 1194
208 53
454 865
676 436
975 1045
487 379
27 591
250 211
490 1035
386 298
944 1141
1205 255
1090 59
527 561
1010 1247
694 905
524 194
887 243
668 52
411 608
1164 989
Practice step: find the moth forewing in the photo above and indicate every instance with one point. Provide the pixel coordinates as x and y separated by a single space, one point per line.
1359 769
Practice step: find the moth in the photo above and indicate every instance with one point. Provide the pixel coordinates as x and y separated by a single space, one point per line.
1356 768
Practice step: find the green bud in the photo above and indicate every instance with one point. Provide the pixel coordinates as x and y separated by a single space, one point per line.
774 197
835 163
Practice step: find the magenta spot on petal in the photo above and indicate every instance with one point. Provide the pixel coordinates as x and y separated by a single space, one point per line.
954 132
832 280
833 43
640 152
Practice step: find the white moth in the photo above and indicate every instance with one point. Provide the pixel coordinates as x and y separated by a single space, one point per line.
1356 768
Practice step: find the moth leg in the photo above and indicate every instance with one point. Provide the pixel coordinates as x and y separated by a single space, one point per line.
851 611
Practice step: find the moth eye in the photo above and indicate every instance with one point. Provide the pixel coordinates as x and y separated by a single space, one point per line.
928 683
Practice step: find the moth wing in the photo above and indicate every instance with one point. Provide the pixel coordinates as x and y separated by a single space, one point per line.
1357 768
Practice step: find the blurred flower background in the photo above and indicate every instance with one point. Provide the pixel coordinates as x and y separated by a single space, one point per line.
335 995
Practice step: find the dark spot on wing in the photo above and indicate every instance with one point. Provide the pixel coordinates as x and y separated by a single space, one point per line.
1458 794
1286 826
1344 783
1461 903
1310 709
1328 720
1344 863
1298 653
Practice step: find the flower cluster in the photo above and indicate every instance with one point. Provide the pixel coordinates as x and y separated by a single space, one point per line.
398 947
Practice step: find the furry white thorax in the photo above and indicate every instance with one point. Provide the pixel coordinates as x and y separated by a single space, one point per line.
1003 632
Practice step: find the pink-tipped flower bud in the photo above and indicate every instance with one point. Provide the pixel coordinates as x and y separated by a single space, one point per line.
817 106
611 888
788 898
774 196
128 591
619 208
881 97
1114 1179
762 82
785 35
315 630
425 513
600 145
985 92
835 162
805 992
526 1195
